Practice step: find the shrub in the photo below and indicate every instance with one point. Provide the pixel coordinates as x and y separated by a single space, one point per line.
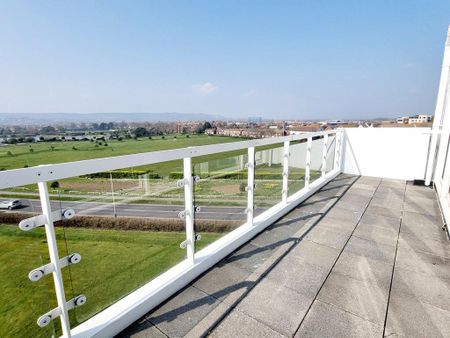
176 175
31 150
74 148
242 187
54 185
163 137
124 174
9 153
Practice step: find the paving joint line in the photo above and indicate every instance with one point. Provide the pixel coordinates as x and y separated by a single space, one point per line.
337 259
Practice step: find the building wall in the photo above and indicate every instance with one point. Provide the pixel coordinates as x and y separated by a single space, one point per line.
399 153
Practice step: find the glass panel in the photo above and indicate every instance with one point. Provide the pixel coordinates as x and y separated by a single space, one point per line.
268 176
221 194
316 159
23 301
126 229
297 165
331 146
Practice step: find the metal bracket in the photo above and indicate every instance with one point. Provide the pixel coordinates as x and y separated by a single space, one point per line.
249 165
182 214
45 319
184 244
196 179
40 220
248 188
46 269
197 208
181 183
249 210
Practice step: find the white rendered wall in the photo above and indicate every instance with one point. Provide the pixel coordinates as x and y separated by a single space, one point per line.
399 153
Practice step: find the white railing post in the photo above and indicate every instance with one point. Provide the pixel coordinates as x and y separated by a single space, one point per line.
338 149
439 114
285 190
250 185
54 258
308 162
443 192
324 154
189 208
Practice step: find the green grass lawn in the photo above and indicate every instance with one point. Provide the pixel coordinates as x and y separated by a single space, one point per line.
114 262
62 152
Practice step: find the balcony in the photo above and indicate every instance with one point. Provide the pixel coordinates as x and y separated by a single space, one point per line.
334 233
363 256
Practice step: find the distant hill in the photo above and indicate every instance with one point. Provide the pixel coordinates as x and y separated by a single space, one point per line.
29 118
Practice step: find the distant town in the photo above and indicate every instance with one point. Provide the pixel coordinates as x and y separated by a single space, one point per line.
252 128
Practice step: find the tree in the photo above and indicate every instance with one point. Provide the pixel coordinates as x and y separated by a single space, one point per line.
48 130
141 132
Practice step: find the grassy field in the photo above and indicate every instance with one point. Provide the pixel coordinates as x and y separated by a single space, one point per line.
57 152
113 264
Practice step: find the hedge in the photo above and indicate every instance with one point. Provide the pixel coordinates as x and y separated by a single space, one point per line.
124 174
130 223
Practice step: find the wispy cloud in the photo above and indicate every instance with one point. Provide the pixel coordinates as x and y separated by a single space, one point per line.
409 65
204 88
251 92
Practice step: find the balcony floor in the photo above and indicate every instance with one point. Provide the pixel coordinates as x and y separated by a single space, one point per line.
363 257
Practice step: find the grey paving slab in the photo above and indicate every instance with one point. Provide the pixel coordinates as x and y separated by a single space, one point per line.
346 215
276 306
326 320
388 202
237 324
370 249
313 253
409 317
421 205
337 224
374 181
423 262
225 280
424 287
369 187
181 313
299 276
372 219
384 191
422 191
364 269
250 257
414 243
328 236
384 212
389 182
336 243
142 329
379 235
362 298
423 226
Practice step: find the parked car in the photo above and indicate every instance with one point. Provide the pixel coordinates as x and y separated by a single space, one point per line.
10 204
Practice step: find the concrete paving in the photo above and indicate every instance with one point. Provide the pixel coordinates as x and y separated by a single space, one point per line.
363 257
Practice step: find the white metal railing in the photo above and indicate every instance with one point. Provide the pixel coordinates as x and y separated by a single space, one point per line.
438 164
128 309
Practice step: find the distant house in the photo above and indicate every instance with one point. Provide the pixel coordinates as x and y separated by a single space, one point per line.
211 131
415 119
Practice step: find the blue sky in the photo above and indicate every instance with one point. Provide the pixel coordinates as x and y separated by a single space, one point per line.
289 59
